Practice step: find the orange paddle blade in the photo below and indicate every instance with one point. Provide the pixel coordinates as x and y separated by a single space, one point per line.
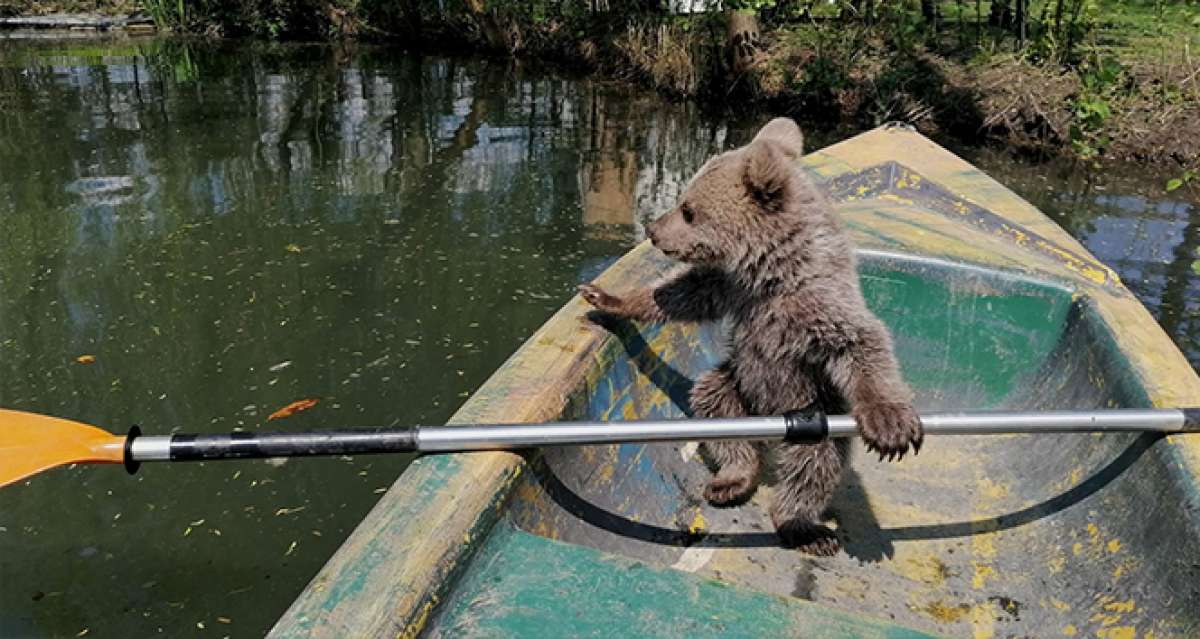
31 443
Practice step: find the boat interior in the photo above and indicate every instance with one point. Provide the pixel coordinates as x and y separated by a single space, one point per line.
1003 535
979 536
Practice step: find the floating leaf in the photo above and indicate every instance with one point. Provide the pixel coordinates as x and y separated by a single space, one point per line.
293 408
292 248
1173 184
86 359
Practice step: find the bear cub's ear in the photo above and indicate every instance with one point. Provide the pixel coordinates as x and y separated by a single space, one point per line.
785 133
767 173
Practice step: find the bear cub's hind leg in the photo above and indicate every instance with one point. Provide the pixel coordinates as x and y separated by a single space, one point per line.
808 476
738 461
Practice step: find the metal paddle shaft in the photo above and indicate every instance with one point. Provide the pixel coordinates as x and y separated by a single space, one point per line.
795 426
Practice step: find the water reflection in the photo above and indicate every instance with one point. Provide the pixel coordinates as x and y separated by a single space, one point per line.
228 229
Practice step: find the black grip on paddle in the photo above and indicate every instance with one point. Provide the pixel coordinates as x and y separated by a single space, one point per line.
805 426
250 445
132 465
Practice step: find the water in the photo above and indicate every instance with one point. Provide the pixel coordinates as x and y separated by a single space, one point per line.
228 228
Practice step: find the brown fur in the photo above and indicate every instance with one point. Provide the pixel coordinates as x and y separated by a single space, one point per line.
766 251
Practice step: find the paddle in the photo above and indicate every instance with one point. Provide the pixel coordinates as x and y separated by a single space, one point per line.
31 443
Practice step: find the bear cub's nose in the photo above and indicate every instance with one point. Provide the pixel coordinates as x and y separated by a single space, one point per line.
651 232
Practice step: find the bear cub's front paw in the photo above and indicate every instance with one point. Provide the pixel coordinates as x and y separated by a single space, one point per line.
890 428
600 299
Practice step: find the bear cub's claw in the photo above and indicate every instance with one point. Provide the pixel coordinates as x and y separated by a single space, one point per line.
810 538
600 299
890 429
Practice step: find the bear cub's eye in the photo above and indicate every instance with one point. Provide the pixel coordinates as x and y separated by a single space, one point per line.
688 214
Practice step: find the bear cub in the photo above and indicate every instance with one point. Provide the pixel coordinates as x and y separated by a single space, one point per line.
764 248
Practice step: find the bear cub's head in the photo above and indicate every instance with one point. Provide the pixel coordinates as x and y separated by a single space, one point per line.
737 200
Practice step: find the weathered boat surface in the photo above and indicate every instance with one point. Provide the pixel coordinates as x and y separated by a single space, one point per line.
992 306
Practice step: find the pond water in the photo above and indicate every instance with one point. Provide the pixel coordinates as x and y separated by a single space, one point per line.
228 228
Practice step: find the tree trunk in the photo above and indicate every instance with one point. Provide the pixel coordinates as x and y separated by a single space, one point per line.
741 40
493 35
1019 27
929 11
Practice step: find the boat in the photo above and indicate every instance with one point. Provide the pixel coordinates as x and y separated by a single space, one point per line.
992 306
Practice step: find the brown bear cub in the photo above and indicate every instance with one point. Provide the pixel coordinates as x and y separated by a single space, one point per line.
766 251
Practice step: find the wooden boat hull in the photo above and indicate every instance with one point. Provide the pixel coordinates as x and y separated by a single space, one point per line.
991 305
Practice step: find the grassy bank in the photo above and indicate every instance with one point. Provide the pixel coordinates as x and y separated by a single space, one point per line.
1091 79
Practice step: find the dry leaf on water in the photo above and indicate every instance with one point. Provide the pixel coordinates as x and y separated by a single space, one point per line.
86 359
292 409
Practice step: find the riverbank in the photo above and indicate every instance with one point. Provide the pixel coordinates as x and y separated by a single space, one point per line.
1088 80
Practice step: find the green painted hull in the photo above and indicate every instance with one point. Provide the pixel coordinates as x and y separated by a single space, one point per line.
991 306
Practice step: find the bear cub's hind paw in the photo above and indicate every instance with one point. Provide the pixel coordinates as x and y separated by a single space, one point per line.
729 489
810 538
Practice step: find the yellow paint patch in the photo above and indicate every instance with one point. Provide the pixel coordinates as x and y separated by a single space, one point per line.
1069 630
629 412
982 573
992 489
983 621
1127 566
1060 606
926 569
896 198
698 525
412 630
1114 545
607 471
1120 606
946 613
1077 548
1076 475
1090 271
1117 632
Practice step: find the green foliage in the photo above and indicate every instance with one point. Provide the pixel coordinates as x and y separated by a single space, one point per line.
903 28
751 5
167 14
1101 79
1185 178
